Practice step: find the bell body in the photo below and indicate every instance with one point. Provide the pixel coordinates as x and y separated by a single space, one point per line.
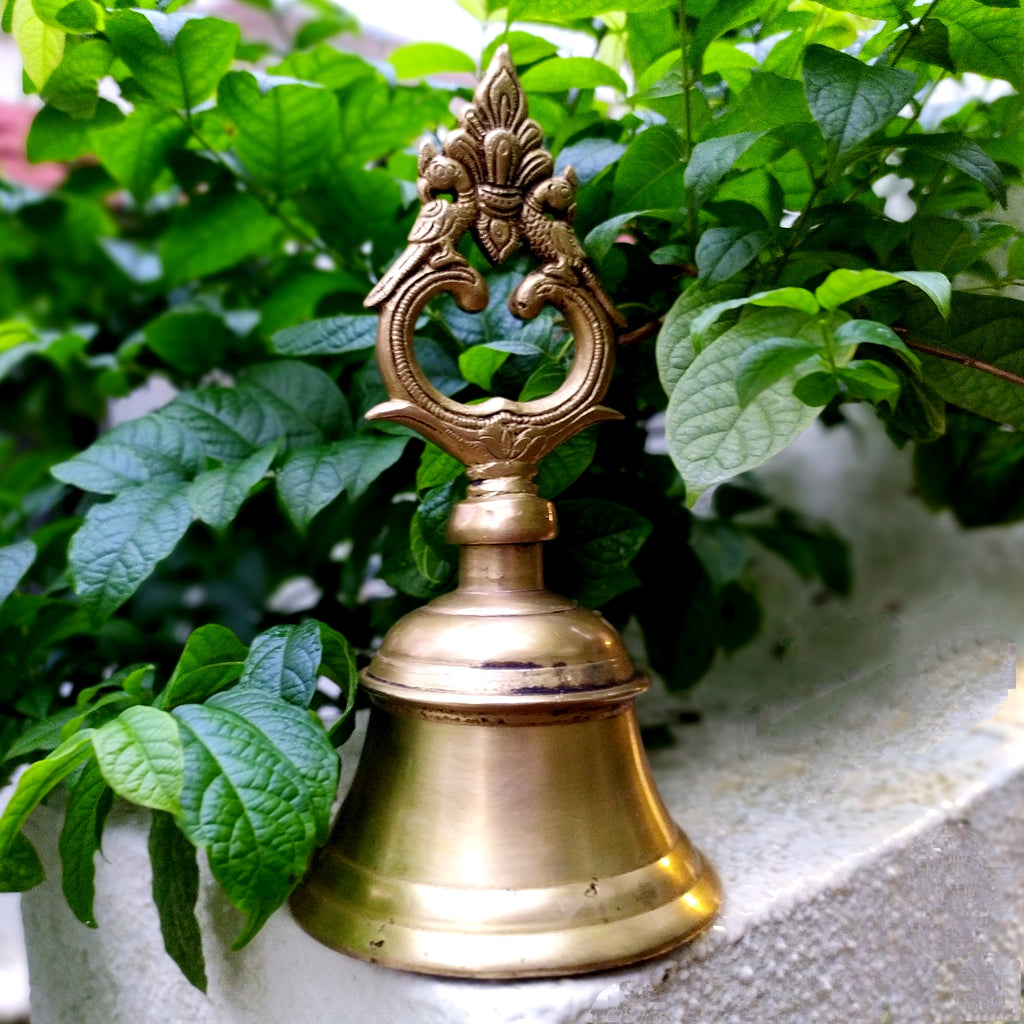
503 821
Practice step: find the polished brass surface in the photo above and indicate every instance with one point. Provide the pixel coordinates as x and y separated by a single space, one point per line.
503 821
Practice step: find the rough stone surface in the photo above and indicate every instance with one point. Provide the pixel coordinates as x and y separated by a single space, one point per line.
848 800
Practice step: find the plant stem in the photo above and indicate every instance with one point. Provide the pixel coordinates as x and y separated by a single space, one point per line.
684 56
641 333
965 360
798 232
684 50
912 31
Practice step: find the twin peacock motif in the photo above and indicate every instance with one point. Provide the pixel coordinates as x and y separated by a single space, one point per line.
493 177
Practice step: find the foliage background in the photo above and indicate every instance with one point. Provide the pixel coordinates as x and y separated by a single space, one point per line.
227 206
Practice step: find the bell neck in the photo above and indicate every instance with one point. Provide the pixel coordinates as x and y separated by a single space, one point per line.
500 527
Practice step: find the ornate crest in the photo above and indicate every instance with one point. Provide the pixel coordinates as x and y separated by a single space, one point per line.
501 148
494 177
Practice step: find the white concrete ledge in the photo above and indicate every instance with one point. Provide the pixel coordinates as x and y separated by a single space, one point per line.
869 836
824 920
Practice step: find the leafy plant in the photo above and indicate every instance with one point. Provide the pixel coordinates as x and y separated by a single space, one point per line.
166 583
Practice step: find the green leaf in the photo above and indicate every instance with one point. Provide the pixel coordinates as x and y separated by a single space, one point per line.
135 148
319 29
711 437
311 478
214 232
283 662
854 332
417 60
545 380
328 337
723 252
148 449
15 561
496 322
175 892
601 238
842 286
177 58
566 10
20 867
976 470
217 495
139 753
851 100
82 16
713 159
306 400
985 39
339 665
870 380
72 85
1015 260
55 135
324 64
301 741
767 362
566 463
597 541
191 341
247 807
560 73
41 735
816 389
676 348
122 540
479 364
723 550
283 128
89 803
47 10
651 173
983 327
377 195
296 297
525 47
427 557
770 101
718 18
786 298
36 781
376 121
963 154
436 467
41 45
213 658
880 10
589 157
229 424
919 414
287 401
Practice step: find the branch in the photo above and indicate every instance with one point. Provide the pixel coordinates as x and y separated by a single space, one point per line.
641 333
964 360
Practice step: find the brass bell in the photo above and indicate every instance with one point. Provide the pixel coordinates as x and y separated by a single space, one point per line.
503 821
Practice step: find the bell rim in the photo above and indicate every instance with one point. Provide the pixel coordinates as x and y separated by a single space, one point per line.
489 953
